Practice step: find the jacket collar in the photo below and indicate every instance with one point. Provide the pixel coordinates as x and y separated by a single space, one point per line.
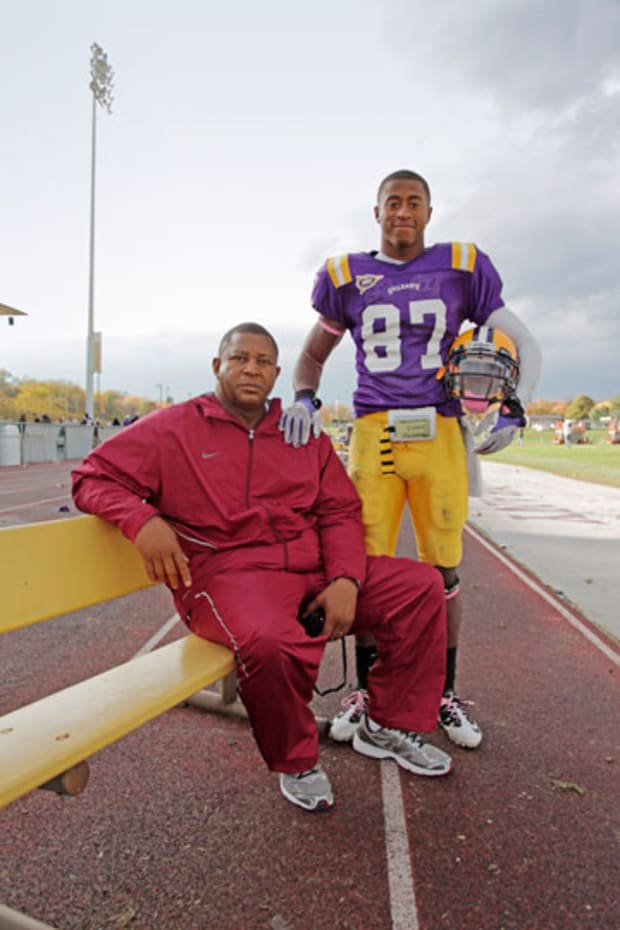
211 408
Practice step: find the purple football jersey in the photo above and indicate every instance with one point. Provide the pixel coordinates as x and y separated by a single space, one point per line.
404 318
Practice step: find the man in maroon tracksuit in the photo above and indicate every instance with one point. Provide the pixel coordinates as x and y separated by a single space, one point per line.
244 529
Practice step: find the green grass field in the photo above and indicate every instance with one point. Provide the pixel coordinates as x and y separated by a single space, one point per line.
598 461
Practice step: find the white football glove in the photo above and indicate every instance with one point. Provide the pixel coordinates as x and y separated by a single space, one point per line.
499 427
299 421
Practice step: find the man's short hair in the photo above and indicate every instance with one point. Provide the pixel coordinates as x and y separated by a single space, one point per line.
405 175
254 328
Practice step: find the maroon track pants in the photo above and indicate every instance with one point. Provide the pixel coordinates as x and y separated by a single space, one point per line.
254 613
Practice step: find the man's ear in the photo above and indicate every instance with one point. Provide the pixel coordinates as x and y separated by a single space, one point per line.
375 211
215 365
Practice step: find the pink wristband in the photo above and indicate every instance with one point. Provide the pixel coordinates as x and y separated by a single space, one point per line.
330 329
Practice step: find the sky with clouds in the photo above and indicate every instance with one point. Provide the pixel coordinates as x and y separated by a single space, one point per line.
245 144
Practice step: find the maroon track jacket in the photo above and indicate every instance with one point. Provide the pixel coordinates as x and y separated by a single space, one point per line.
239 498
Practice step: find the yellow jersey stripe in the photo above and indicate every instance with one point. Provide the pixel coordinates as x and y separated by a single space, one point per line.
463 256
339 271
470 261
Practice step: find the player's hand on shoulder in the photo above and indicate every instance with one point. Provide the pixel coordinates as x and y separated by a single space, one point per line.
499 427
300 421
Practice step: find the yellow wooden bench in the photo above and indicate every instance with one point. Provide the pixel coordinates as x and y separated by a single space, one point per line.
54 568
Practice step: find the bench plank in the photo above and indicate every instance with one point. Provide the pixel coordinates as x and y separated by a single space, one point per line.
44 739
59 566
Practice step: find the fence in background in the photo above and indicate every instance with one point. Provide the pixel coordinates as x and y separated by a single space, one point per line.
24 443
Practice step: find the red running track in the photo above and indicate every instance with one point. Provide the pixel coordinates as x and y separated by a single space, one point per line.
182 827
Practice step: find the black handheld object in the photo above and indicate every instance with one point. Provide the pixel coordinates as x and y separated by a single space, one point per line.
312 622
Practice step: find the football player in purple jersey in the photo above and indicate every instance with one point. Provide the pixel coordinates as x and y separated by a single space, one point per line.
404 306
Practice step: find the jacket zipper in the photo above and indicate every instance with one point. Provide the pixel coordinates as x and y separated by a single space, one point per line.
247 496
249 473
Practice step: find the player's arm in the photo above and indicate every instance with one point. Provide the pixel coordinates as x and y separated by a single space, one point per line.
302 419
530 355
511 415
318 346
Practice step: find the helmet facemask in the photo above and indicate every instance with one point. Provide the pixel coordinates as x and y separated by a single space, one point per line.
480 374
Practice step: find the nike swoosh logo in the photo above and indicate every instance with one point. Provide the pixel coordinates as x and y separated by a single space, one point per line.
209 455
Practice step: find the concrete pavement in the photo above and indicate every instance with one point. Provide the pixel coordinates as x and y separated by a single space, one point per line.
565 532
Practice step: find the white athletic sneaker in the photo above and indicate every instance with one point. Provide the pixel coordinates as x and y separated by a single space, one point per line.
343 726
456 722
310 790
410 750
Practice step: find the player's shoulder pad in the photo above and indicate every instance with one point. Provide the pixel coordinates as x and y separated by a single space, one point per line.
463 256
339 270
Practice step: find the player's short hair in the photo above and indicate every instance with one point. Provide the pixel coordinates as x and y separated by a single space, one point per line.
254 328
403 174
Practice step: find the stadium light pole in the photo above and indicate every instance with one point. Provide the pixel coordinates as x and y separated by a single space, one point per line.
101 75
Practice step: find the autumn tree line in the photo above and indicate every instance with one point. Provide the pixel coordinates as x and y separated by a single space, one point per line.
61 400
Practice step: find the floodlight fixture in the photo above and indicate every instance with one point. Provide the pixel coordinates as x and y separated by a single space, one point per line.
101 74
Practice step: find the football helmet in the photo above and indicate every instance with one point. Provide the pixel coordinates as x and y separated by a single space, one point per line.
482 368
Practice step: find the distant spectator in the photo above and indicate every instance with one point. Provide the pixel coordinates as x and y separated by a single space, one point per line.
115 422
567 429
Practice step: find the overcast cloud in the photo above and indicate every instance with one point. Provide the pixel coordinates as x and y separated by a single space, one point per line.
247 144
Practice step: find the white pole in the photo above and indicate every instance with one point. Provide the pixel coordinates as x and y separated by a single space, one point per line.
101 86
91 275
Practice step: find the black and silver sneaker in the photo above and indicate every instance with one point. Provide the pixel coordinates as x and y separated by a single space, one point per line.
310 790
410 750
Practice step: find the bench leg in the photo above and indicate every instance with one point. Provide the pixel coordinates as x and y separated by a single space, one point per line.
228 688
71 782
227 703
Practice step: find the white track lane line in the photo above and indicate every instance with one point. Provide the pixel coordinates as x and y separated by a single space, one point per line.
403 907
47 500
157 635
557 605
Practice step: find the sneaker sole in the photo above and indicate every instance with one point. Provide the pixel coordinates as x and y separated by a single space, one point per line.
320 806
375 752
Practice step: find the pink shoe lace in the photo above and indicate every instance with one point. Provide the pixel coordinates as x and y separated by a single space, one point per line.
357 702
453 704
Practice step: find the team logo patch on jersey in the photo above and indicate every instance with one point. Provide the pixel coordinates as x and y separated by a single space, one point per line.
364 282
